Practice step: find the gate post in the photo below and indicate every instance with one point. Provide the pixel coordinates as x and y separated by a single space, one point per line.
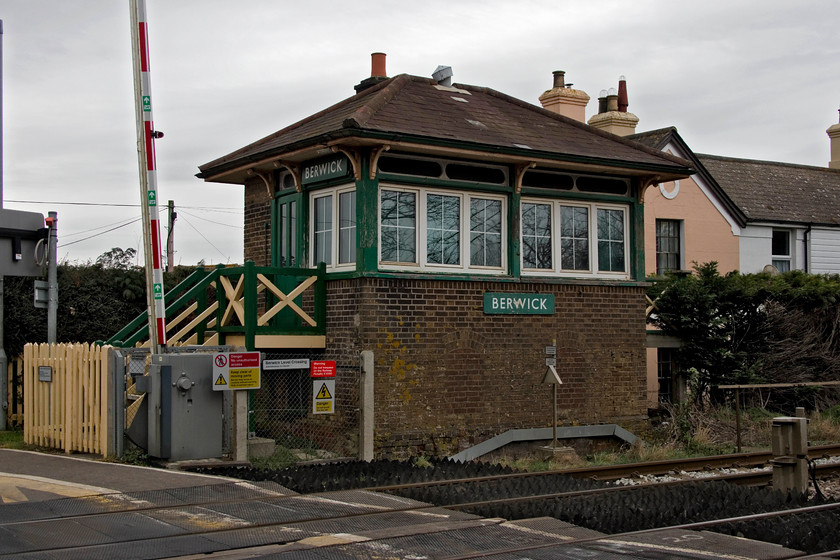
366 396
116 403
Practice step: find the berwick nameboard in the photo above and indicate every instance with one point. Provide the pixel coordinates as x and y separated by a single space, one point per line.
518 304
324 169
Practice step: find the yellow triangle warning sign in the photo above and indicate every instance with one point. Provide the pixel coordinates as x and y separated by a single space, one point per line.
221 380
324 393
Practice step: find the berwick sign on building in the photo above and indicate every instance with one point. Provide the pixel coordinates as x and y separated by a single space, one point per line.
518 304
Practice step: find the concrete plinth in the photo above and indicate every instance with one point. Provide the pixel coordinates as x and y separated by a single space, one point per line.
260 447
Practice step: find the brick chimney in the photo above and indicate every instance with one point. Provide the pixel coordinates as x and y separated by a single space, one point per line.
612 111
377 72
834 134
564 100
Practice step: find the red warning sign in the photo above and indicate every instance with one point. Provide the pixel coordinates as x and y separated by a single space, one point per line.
323 368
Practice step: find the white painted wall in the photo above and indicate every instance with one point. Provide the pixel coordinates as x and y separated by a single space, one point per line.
824 250
755 248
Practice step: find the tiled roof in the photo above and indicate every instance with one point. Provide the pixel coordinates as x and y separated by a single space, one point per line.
654 138
415 108
779 192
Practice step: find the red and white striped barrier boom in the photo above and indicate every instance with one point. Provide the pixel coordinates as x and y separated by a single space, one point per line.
146 136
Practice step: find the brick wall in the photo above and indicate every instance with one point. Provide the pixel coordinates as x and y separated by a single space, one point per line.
257 223
448 376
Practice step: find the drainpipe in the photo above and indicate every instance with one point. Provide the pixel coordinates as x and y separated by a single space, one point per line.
805 249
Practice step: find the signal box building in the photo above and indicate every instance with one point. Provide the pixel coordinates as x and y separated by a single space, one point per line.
463 232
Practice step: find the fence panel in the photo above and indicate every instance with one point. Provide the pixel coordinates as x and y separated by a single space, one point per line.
282 408
66 406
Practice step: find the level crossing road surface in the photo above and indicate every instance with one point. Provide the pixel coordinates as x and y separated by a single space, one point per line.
59 507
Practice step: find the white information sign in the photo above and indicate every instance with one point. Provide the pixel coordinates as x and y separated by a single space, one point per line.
290 363
323 396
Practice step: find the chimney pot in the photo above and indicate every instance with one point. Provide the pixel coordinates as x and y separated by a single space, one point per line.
377 65
559 78
622 94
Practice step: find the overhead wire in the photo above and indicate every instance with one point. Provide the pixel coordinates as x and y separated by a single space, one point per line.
119 225
207 240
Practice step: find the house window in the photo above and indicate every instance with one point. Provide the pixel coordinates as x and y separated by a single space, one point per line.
574 238
610 240
666 369
398 226
781 250
455 240
536 235
485 232
443 229
668 256
584 248
334 227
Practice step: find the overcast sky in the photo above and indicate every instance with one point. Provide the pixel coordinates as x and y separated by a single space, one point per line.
750 79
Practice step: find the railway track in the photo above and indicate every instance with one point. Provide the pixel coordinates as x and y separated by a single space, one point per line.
245 516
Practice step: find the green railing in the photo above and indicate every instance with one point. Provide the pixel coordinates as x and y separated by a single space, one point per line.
211 305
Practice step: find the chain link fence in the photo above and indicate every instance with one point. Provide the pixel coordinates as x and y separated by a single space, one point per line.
282 409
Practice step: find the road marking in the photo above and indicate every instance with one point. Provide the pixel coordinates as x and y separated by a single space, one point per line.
13 485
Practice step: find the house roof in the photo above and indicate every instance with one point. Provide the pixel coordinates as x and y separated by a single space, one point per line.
778 192
410 110
661 138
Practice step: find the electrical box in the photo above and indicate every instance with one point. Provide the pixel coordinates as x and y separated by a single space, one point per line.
185 415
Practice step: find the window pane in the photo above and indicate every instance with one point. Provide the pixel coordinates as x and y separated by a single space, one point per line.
347 227
485 232
574 238
397 226
292 233
781 243
781 265
284 225
667 246
323 230
610 240
443 229
536 235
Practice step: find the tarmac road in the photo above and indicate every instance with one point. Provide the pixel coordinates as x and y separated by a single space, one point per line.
31 476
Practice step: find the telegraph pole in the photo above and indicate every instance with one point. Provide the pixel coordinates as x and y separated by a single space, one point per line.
146 135
170 238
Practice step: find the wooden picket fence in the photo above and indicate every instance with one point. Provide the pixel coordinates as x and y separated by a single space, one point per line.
66 406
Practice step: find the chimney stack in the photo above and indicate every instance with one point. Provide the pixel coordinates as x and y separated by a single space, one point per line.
834 136
562 99
612 111
377 72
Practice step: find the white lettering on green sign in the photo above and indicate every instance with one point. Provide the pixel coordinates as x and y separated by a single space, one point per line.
152 196
518 304
147 103
325 169
158 290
